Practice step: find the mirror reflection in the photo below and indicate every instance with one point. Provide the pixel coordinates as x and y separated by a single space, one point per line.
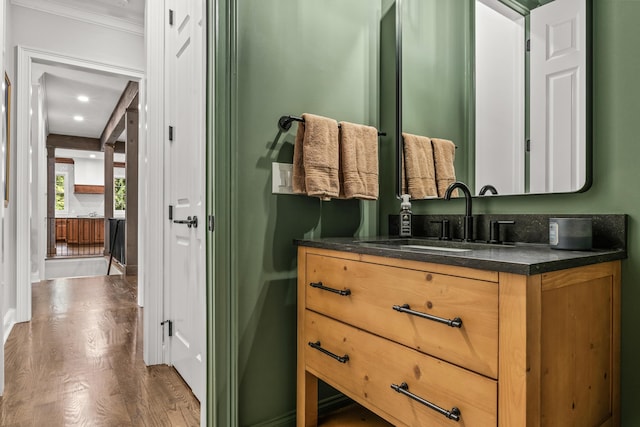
505 82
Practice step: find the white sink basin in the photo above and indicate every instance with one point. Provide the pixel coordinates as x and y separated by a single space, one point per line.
434 248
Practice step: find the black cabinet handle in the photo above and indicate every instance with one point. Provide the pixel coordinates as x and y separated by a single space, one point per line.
342 292
405 308
453 414
317 346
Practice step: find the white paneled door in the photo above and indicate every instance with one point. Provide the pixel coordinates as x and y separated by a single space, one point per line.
185 165
558 97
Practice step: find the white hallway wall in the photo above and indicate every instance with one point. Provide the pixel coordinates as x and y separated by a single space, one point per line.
44 31
2 264
8 218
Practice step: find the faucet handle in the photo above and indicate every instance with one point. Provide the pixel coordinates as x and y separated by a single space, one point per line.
494 230
444 229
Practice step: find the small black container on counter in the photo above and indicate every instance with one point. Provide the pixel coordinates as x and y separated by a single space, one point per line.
570 233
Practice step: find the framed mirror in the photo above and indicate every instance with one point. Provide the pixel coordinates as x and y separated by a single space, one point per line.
504 80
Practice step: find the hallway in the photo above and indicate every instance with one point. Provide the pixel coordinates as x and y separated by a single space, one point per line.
79 362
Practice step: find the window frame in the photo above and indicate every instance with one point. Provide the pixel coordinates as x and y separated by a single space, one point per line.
118 212
65 174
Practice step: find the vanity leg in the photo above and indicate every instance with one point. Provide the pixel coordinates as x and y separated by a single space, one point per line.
307 384
307 406
615 345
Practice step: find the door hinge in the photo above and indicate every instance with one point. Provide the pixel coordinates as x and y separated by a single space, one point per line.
211 223
170 212
170 133
527 145
170 17
170 324
528 46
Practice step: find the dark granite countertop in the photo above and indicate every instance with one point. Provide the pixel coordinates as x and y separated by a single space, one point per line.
526 259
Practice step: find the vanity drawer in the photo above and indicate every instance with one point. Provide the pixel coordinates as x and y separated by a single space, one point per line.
375 364
370 291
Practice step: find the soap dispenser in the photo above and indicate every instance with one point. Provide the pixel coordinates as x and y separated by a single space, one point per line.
405 216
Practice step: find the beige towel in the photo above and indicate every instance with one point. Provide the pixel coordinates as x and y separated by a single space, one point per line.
358 161
444 153
419 169
316 158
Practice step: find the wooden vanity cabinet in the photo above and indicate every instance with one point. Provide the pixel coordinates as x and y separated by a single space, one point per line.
425 344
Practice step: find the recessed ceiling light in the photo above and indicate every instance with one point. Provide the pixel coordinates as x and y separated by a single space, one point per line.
83 98
93 156
78 118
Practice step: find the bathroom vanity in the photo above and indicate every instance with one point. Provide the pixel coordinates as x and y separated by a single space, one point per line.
427 334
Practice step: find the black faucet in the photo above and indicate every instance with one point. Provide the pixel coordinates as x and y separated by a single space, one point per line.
490 188
468 218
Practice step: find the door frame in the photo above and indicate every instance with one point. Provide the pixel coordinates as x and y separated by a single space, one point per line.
26 57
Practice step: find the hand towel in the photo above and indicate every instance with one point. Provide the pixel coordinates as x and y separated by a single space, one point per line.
444 153
419 166
358 161
316 158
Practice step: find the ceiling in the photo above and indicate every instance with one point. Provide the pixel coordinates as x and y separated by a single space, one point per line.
63 84
124 15
132 10
62 87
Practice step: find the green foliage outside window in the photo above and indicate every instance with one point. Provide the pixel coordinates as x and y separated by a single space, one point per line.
60 192
120 188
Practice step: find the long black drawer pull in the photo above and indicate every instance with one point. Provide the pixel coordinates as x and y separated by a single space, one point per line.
317 346
319 285
453 414
405 308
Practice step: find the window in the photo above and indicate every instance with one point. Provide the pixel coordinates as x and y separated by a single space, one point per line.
62 204
120 194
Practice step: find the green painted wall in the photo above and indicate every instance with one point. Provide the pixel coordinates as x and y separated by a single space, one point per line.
436 36
293 56
616 177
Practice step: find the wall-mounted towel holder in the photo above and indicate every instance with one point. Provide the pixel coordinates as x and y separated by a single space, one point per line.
284 123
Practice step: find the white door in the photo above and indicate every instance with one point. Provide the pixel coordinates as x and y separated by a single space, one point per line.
500 97
558 97
185 258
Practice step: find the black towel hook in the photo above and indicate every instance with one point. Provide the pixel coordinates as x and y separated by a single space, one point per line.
285 122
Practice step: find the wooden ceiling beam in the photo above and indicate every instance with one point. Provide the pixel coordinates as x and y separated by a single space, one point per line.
73 142
116 124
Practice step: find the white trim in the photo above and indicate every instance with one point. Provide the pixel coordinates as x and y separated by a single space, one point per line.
43 131
152 173
26 56
9 322
3 26
119 24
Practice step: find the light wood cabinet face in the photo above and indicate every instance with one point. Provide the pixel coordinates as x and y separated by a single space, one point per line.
375 290
375 364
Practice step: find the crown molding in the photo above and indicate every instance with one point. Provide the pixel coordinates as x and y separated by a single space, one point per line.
111 22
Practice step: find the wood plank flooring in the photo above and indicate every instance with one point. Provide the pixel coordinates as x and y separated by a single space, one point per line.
79 362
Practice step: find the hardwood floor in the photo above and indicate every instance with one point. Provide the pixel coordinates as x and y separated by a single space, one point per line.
79 362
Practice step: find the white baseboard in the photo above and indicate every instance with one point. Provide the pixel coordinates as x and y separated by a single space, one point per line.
9 321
